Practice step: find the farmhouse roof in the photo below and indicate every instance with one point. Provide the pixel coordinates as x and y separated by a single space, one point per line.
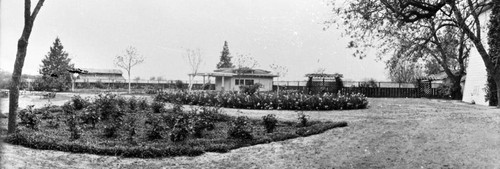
103 71
247 72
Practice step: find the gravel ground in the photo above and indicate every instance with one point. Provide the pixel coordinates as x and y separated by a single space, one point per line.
391 133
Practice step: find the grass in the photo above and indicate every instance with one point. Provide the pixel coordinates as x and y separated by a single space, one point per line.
217 140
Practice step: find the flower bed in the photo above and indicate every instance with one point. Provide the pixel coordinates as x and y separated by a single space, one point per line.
267 101
113 125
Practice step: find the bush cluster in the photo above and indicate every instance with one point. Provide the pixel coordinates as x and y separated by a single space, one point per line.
284 101
121 128
241 128
28 117
250 89
269 121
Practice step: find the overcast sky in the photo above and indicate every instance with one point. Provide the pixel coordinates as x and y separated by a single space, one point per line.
93 32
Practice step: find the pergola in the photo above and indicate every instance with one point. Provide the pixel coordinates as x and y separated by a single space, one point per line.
323 76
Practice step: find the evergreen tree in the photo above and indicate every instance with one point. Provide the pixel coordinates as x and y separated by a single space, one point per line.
55 67
225 58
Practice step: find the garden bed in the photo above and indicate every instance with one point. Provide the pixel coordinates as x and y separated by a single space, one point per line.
267 101
112 125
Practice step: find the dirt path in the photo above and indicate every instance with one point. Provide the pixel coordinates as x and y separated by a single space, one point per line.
392 133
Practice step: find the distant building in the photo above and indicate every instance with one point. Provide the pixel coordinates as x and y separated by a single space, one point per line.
102 75
230 79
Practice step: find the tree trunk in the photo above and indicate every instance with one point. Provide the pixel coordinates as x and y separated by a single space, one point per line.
129 91
22 46
496 77
456 89
190 83
497 81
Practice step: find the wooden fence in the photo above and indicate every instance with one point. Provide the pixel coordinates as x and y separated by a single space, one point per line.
382 89
393 92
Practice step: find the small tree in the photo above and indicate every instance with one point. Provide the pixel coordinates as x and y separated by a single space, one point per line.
225 58
281 71
194 59
128 60
22 47
55 67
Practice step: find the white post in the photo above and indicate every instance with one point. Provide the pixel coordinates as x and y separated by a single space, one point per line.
223 84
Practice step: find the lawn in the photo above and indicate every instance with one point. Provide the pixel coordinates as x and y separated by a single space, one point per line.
391 133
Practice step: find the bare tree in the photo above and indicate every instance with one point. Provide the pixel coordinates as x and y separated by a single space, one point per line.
246 62
194 59
281 71
22 47
129 60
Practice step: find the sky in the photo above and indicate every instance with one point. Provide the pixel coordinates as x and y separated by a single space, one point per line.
284 32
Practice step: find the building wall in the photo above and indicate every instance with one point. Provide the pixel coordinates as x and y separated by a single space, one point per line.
218 83
267 83
475 82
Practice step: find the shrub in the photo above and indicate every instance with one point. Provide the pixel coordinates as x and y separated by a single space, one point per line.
303 118
29 118
73 128
53 123
179 84
269 121
444 90
250 89
241 128
111 127
68 108
132 103
130 126
122 103
143 104
177 107
213 114
200 122
151 91
79 103
107 105
46 114
90 116
154 127
180 131
158 107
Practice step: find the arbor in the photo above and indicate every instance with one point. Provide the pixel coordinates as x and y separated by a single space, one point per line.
55 66
22 46
443 31
128 60
194 60
225 58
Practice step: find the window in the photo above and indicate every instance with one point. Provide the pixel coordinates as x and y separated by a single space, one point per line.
239 82
248 82
243 82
